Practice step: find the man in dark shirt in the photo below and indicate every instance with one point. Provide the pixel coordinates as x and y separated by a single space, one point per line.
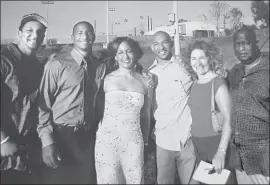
249 86
21 73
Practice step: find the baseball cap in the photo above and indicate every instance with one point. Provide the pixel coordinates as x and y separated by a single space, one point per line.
33 17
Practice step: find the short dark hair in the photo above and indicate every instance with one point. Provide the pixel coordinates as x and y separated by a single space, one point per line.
113 48
82 22
250 33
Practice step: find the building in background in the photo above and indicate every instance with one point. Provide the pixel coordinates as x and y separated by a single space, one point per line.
189 29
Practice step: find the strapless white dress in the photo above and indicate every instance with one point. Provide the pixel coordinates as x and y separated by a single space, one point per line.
119 141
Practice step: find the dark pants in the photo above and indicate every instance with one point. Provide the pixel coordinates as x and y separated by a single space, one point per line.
206 148
16 177
76 148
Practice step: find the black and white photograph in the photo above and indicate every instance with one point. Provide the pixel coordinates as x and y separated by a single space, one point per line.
135 92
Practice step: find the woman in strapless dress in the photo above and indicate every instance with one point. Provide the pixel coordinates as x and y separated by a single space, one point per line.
124 128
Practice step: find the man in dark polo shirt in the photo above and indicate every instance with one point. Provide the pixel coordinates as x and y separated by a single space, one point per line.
67 102
249 86
21 73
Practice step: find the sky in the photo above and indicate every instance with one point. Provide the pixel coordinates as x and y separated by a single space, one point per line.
63 15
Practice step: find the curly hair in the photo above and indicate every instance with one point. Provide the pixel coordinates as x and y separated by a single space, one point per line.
113 48
211 50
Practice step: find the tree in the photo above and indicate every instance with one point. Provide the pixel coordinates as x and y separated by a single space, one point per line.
219 9
260 10
225 12
236 16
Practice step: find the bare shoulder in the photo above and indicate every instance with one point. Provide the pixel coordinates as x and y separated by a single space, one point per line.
112 77
109 77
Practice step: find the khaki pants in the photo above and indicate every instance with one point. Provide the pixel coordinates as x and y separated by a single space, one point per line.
244 178
184 161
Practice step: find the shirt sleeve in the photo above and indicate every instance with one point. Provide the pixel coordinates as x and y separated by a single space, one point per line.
5 105
48 87
6 96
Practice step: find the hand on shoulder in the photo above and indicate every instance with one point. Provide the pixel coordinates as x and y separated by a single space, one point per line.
150 79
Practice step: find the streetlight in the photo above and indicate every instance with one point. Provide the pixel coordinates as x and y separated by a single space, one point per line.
125 21
176 37
116 23
108 9
47 3
141 17
107 12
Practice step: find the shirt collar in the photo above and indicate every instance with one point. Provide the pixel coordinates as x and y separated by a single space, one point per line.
79 58
155 63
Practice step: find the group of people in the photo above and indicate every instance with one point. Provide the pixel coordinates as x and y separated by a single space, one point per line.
85 121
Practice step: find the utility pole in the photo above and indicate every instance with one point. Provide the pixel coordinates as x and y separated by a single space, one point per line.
107 12
147 23
151 24
125 24
47 10
95 26
176 36
112 28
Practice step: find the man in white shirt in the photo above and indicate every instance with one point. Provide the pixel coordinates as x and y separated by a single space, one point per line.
172 114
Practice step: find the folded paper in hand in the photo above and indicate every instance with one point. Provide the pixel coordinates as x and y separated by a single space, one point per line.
202 174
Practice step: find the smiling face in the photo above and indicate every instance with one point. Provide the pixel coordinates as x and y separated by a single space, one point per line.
125 56
199 62
162 46
83 36
245 47
32 34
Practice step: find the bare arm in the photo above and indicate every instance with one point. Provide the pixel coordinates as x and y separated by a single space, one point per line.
224 103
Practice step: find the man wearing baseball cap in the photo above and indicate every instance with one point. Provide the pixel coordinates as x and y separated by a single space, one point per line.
21 73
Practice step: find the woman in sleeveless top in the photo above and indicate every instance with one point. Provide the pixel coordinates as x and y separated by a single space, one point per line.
210 146
125 125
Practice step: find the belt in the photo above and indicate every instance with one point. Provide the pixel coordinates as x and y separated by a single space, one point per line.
75 128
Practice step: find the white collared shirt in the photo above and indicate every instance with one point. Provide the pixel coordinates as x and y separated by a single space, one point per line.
171 112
